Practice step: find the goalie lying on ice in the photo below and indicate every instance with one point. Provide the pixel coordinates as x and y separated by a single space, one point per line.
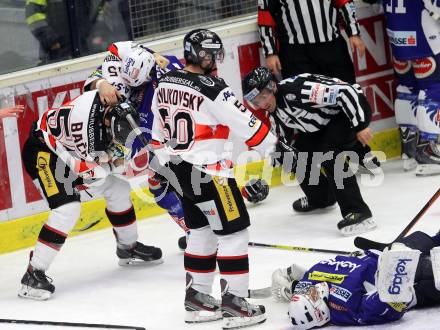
376 288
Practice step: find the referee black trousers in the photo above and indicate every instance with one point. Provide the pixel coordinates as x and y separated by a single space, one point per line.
333 182
327 58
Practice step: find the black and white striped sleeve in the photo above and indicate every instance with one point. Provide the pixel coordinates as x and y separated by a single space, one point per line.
266 27
353 102
348 11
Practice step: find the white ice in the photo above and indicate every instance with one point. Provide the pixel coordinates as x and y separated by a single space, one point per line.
92 288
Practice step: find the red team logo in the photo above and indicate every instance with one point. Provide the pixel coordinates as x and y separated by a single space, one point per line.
401 67
424 67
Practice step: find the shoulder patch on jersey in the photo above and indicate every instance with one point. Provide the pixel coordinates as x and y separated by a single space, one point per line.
207 81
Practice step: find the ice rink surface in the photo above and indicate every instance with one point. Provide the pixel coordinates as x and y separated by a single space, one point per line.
92 288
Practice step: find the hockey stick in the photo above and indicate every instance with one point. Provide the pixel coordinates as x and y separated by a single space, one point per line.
366 244
88 226
303 249
72 324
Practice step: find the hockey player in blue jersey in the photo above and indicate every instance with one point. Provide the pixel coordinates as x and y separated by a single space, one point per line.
413 28
378 287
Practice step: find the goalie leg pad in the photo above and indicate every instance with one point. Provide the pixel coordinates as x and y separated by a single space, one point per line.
396 272
435 259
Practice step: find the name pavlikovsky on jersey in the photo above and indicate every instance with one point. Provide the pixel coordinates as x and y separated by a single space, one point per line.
195 115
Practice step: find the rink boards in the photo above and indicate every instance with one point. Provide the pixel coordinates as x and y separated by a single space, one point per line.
22 211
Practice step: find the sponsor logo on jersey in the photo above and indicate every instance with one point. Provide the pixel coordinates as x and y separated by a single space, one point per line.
424 67
45 174
207 81
290 97
401 67
399 307
337 307
227 94
352 266
402 38
326 277
340 293
227 199
209 212
398 276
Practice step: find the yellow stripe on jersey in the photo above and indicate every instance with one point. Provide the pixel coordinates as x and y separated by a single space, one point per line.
228 201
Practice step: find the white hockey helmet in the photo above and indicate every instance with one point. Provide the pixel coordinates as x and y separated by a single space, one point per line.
136 67
308 308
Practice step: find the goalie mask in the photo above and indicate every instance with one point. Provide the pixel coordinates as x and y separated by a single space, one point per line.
204 48
122 121
308 308
136 67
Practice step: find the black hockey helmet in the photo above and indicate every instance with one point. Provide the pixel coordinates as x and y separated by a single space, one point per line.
200 44
123 121
256 81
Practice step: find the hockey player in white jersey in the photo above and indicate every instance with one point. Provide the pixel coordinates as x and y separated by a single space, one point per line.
195 114
413 28
130 71
81 144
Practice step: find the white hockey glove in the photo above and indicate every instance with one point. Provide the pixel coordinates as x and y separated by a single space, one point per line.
396 271
282 280
435 260
433 7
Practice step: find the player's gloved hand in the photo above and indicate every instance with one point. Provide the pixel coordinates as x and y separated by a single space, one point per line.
255 190
284 281
433 7
285 155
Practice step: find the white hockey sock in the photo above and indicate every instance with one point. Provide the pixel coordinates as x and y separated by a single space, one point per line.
200 258
53 234
233 261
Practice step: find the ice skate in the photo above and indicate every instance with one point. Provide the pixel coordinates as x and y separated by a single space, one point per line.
200 307
36 285
428 159
356 223
408 138
139 254
237 312
302 206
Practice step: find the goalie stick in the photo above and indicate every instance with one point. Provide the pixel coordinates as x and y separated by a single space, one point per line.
304 249
71 324
367 244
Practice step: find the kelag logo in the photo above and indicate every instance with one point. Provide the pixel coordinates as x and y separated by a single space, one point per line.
399 273
402 38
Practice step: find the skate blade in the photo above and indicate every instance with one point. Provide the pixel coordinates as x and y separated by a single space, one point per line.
28 292
202 316
242 321
359 228
409 164
316 211
427 170
134 262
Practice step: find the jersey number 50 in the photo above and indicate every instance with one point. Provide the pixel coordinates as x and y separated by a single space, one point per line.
179 128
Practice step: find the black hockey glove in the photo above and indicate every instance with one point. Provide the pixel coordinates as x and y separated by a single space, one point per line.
255 190
285 155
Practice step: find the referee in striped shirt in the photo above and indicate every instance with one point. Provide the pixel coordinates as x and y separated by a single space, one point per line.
303 36
329 115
